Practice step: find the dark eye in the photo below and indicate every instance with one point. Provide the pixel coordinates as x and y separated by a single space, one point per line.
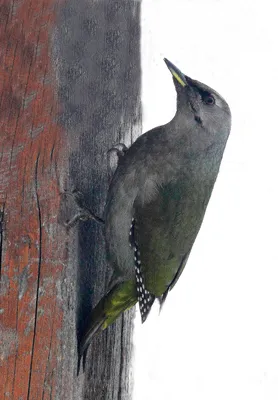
208 99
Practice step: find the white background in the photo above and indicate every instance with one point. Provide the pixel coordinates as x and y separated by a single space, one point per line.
217 336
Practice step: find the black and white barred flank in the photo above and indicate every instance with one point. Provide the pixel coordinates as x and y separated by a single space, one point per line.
145 298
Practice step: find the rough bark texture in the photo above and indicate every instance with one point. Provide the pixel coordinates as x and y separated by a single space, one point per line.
69 90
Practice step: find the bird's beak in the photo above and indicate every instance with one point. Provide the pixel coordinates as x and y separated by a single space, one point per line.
177 74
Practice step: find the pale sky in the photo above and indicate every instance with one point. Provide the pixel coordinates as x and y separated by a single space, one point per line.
217 336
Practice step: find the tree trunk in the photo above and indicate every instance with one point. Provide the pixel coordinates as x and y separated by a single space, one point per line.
69 90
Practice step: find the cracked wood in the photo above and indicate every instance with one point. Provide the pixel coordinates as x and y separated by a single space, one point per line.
69 91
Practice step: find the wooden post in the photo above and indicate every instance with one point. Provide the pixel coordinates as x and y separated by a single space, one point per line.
69 90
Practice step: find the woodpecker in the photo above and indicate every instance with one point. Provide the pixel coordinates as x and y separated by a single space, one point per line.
157 201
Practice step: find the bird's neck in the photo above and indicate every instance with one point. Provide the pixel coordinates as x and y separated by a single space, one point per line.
192 139
183 121
192 149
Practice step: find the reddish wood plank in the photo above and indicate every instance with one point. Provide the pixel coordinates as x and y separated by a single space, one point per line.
32 257
49 278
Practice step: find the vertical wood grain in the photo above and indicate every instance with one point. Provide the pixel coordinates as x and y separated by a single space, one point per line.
69 90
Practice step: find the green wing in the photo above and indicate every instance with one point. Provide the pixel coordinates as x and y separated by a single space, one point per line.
165 230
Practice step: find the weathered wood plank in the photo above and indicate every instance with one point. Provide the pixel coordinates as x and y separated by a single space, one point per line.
69 87
32 258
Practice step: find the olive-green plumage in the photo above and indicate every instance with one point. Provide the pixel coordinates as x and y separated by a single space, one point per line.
157 200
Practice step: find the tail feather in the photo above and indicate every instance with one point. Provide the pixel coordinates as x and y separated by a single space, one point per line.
120 298
86 340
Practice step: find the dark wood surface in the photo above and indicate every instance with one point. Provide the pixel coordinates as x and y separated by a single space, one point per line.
69 90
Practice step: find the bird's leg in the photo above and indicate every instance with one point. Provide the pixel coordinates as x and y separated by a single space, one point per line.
85 212
120 150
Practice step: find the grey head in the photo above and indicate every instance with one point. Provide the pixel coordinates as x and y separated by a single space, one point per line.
203 113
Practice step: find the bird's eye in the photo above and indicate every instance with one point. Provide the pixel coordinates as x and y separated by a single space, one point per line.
208 99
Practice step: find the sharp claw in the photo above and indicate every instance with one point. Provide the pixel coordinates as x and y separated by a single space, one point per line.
85 212
120 149
77 217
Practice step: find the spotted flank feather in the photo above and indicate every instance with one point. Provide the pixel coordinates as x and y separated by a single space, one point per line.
145 298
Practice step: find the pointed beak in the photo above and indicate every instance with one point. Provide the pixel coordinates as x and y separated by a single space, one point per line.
177 74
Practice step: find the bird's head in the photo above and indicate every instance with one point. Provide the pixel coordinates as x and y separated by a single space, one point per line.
203 110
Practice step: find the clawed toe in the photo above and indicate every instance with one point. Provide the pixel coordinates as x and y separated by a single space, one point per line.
120 149
85 213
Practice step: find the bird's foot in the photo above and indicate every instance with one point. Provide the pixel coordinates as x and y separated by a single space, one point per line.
119 148
84 214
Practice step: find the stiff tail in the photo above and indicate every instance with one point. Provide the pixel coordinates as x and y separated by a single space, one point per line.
120 298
